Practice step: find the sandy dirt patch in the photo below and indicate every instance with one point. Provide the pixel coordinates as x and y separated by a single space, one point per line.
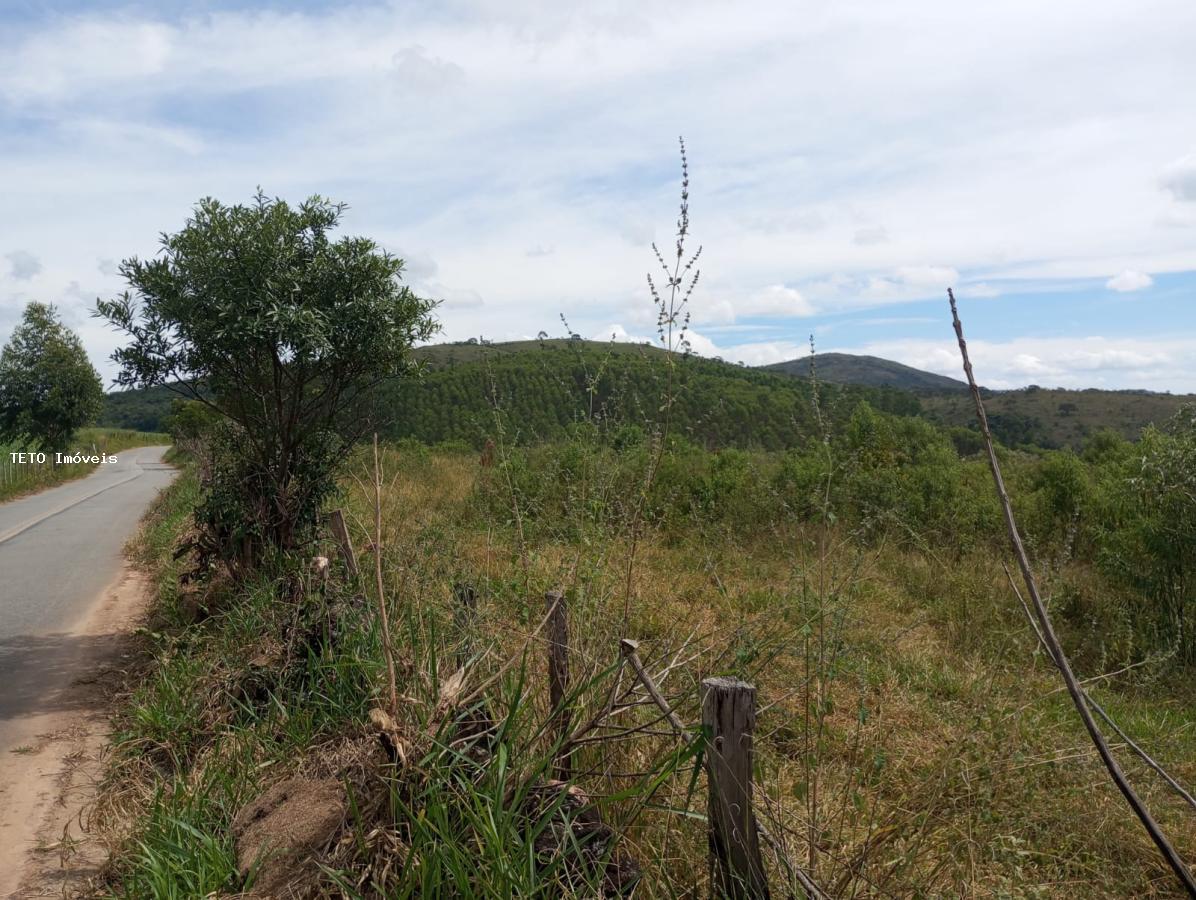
48 773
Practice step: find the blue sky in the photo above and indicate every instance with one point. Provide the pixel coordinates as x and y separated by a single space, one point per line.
849 162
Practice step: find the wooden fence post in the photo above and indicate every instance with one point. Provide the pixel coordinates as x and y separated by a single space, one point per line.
464 614
729 716
558 675
340 531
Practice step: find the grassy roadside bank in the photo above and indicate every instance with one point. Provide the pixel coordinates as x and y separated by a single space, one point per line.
911 741
17 479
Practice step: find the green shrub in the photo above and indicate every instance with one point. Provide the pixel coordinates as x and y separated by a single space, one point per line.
1147 533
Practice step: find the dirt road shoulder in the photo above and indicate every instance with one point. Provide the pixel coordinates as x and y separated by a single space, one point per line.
47 781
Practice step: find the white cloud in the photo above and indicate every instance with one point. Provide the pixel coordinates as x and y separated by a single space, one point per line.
23 264
451 298
1154 363
1129 280
719 305
900 284
980 289
763 353
418 266
929 278
616 332
1180 178
1159 363
60 62
502 126
871 235
777 300
416 70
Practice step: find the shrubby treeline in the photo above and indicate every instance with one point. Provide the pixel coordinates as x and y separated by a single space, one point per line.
1114 526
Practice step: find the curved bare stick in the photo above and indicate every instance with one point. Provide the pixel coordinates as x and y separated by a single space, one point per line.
1051 639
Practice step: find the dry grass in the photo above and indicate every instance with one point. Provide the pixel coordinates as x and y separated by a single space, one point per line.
946 760
907 731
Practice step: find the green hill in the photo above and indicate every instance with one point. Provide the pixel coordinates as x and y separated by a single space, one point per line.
141 410
872 371
538 390
540 387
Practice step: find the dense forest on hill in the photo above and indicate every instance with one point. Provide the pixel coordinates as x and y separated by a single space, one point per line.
144 409
540 387
542 390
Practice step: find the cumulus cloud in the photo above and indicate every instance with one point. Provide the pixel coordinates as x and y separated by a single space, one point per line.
1129 280
1180 179
774 301
1155 363
481 133
778 300
23 264
1147 363
418 266
616 332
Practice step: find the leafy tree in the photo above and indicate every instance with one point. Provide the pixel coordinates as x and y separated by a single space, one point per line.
48 387
190 420
256 312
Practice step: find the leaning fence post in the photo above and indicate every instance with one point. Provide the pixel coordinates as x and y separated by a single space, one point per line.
558 674
728 719
340 531
464 613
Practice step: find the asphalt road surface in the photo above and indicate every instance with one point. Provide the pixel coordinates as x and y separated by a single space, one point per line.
59 550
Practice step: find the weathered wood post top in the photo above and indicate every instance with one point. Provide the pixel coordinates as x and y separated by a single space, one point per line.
729 718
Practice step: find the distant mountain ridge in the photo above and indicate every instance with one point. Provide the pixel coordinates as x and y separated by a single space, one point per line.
539 383
870 371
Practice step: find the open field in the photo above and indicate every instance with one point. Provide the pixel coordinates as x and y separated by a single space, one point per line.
911 739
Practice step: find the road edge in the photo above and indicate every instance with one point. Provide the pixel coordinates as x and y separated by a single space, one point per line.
67 761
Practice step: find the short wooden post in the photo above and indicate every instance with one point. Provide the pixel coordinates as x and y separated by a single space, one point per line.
558 675
729 718
340 531
465 612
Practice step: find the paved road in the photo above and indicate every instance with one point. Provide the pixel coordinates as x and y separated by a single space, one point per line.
58 551
63 591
